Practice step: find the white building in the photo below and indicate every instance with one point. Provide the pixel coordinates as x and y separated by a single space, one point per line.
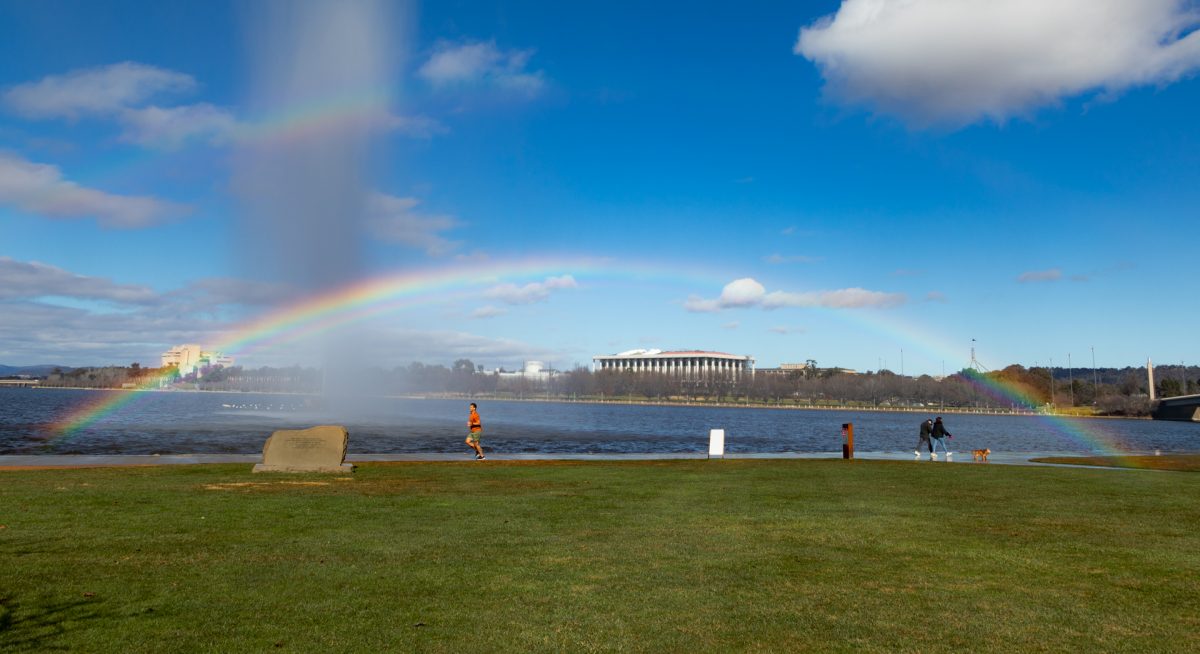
693 365
189 357
535 370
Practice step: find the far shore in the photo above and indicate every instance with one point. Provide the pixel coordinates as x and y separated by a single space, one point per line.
633 402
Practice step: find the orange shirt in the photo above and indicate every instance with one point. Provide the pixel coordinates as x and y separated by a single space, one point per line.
473 422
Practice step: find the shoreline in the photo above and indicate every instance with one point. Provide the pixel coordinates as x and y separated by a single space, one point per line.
13 462
630 402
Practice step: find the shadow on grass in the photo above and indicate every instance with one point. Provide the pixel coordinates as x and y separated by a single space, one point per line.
35 627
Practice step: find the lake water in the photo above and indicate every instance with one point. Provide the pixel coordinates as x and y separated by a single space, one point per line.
213 423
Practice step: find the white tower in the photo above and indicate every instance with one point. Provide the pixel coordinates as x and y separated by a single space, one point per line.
1150 377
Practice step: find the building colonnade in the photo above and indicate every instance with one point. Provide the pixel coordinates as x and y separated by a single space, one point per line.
682 365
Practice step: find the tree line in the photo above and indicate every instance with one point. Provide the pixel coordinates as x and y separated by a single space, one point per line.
1109 391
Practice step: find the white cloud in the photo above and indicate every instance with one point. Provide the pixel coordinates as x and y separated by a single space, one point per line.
32 280
393 219
1051 275
532 292
747 292
481 63
954 62
697 304
488 312
935 296
35 331
846 298
741 293
731 325
121 92
172 127
40 189
101 90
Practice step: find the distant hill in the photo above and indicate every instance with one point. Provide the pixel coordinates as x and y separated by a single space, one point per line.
32 371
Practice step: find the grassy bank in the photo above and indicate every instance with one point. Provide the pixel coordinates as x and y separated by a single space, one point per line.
1172 462
630 556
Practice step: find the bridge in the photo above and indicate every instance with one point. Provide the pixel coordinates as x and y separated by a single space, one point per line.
19 382
1181 407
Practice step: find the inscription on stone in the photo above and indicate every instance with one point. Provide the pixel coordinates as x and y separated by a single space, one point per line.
318 449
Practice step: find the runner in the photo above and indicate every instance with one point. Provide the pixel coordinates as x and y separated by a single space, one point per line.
474 430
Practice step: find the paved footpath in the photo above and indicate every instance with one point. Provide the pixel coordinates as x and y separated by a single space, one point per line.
111 460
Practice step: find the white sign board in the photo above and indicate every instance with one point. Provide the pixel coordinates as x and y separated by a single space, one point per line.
716 443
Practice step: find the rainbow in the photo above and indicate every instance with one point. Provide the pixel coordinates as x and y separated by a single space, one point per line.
367 298
372 297
301 121
935 346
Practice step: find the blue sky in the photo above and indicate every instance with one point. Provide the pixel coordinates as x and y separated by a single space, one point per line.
839 181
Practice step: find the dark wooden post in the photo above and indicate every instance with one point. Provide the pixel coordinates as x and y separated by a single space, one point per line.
848 440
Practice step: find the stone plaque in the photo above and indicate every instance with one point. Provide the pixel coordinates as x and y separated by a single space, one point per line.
318 449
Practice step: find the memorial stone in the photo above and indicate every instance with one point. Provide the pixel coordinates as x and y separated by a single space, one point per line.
318 449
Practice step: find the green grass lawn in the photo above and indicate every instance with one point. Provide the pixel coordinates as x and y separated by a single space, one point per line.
1174 462
695 556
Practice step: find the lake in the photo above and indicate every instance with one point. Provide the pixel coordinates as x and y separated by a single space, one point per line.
213 423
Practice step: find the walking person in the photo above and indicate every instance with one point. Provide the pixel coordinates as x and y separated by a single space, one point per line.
474 431
923 439
939 434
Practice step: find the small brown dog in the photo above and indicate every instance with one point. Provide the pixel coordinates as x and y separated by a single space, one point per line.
981 455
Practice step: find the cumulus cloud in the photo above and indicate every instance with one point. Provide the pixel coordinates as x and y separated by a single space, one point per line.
100 90
488 312
954 62
531 292
394 219
35 330
41 190
1051 275
481 63
172 127
123 93
37 333
747 292
846 298
31 280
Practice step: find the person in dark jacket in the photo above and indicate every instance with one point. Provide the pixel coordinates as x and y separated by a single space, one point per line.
923 439
939 433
